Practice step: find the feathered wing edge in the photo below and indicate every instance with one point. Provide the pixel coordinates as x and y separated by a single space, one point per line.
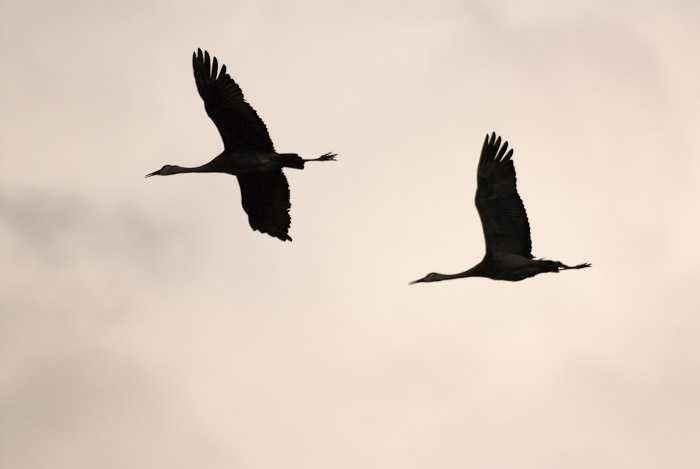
265 198
239 125
503 217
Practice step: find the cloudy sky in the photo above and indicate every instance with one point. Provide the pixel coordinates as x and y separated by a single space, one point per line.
144 325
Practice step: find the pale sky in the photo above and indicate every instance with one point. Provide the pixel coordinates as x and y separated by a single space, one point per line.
143 324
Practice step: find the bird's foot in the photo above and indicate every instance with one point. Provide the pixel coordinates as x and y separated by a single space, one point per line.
327 157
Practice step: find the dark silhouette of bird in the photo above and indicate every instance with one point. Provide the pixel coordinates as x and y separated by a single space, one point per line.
248 151
503 218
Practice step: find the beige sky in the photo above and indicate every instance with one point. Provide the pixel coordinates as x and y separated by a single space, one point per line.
144 325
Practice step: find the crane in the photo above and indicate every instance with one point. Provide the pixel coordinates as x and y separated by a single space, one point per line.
504 221
248 151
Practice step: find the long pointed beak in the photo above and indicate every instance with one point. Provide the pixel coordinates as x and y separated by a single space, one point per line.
415 281
151 174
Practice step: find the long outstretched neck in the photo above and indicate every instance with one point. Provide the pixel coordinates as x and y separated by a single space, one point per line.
476 271
169 169
439 277
205 168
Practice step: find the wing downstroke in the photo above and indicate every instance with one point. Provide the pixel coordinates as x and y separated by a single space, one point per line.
265 198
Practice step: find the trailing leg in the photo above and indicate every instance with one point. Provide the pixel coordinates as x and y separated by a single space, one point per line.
580 266
326 157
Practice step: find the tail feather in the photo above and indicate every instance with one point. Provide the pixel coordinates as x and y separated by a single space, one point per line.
291 160
549 266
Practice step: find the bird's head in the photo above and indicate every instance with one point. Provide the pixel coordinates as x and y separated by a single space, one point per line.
166 170
431 277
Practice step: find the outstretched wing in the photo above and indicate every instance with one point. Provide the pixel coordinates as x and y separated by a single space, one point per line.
265 198
238 123
503 217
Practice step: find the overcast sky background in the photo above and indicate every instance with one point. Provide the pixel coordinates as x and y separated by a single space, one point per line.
144 325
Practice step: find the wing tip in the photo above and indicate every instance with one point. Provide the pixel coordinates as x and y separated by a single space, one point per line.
500 153
281 235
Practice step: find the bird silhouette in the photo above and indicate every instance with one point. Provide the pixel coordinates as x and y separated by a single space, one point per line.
504 221
248 151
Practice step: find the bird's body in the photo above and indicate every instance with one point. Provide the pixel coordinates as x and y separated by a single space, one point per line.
248 150
504 221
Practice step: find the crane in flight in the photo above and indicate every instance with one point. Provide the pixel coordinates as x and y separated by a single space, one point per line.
248 151
504 221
